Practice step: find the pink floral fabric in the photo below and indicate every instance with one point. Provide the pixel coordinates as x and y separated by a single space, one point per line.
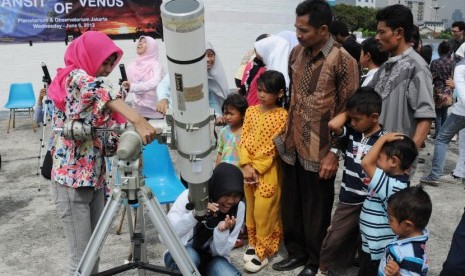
81 163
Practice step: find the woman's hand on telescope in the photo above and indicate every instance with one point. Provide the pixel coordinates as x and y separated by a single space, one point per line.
146 131
162 106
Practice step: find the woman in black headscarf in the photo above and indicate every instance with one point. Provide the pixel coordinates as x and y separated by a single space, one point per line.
209 242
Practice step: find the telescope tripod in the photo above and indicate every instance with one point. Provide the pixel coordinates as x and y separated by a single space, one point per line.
139 260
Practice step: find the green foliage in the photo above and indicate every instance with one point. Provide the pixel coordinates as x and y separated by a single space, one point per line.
356 18
368 33
446 34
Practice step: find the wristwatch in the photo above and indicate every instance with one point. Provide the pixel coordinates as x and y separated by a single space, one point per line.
336 151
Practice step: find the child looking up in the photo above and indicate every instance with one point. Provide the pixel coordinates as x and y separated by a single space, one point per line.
257 158
359 128
234 108
409 212
386 165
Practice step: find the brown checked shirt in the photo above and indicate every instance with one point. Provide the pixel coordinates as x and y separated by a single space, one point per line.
320 87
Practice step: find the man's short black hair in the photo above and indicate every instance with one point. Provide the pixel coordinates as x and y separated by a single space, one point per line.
397 16
413 204
338 27
318 11
370 45
404 149
444 48
365 101
459 24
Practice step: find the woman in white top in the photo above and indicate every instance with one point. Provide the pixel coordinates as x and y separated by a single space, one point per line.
209 242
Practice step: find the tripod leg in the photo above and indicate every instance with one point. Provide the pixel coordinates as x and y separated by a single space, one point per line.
164 228
95 244
42 140
120 224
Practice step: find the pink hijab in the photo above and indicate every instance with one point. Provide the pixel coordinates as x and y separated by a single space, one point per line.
142 67
87 52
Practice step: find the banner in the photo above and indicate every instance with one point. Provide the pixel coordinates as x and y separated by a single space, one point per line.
55 20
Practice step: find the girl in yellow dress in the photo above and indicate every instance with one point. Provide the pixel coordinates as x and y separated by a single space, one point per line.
257 158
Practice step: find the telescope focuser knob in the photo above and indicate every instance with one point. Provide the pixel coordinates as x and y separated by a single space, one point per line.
190 206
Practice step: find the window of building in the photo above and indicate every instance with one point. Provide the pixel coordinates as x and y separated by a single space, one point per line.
421 9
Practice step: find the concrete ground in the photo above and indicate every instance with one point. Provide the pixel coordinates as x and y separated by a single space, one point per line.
32 241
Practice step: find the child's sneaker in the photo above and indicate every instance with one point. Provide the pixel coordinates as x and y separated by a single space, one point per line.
249 254
255 265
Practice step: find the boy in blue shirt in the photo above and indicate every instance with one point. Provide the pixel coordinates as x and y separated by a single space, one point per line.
358 127
409 212
386 165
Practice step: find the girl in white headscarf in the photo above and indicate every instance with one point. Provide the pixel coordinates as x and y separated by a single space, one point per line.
271 52
217 82
290 37
144 75
274 51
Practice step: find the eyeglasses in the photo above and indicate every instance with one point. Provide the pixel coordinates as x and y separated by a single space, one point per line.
455 31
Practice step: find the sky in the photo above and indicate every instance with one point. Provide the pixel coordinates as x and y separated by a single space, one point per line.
450 6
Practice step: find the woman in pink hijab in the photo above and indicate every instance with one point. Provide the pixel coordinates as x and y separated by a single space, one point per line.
82 92
144 75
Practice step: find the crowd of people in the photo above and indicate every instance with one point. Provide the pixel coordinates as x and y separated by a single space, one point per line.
304 100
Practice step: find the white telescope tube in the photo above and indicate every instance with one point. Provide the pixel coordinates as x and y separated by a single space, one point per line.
184 36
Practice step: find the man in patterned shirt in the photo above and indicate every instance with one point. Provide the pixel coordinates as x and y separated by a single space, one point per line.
323 76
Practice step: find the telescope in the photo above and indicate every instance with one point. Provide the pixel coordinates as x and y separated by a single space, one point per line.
132 189
46 78
190 116
124 77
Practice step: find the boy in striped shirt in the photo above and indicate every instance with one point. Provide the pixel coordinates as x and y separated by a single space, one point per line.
409 212
358 128
385 164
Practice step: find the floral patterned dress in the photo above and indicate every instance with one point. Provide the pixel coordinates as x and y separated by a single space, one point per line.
81 163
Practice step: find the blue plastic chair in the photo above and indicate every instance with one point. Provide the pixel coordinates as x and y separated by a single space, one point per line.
20 99
160 174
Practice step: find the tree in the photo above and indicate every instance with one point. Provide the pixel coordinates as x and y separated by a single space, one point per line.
446 34
356 18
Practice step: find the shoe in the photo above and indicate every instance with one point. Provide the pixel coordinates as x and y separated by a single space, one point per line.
308 271
288 264
429 180
249 254
255 265
451 178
